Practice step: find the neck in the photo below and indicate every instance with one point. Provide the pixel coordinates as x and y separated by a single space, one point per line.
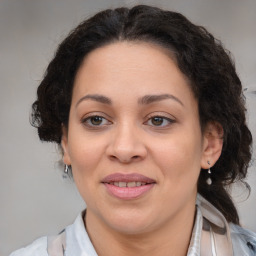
171 239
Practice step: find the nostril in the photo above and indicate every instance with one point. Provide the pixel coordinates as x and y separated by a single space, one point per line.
124 160
113 157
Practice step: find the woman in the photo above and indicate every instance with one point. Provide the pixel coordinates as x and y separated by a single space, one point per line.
149 113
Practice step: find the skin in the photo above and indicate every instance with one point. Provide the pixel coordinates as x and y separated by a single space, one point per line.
128 140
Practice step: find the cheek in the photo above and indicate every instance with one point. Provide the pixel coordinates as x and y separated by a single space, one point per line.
84 148
84 160
179 157
85 155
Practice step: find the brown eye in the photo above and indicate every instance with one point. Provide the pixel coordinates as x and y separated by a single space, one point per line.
96 120
160 121
157 121
93 121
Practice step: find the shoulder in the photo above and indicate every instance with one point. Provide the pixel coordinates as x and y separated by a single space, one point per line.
37 248
243 240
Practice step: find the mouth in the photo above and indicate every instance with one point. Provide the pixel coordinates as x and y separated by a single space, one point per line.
128 186
131 184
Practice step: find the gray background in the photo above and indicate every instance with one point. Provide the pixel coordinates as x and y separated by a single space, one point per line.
34 198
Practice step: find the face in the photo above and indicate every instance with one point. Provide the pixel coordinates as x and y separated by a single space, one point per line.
134 140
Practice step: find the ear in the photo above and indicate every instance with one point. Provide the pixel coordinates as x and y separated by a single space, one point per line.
212 144
64 145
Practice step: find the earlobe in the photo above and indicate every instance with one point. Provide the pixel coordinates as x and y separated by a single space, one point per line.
213 143
64 145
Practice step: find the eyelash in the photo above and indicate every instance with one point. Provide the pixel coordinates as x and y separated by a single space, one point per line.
88 121
163 118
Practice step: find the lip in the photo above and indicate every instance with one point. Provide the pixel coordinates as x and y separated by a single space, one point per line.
115 177
128 193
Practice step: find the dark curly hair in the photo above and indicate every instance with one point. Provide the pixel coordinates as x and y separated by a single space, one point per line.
199 56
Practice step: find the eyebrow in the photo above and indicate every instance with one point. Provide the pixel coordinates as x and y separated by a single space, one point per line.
96 97
148 99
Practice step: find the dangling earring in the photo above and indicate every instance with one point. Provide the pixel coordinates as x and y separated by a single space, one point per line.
209 180
67 171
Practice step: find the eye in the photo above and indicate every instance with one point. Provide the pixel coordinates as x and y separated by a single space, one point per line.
159 121
95 121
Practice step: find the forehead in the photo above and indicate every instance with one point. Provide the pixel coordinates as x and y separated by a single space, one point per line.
124 66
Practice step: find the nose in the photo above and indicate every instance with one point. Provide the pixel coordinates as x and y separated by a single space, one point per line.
126 145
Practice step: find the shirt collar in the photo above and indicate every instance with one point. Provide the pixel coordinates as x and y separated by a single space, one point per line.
79 243
194 246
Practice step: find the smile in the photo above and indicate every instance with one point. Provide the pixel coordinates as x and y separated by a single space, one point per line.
131 184
128 186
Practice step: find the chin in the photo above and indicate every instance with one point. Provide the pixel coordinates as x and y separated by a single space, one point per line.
130 223
131 228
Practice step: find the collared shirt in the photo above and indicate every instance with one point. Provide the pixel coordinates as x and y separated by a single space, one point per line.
78 242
